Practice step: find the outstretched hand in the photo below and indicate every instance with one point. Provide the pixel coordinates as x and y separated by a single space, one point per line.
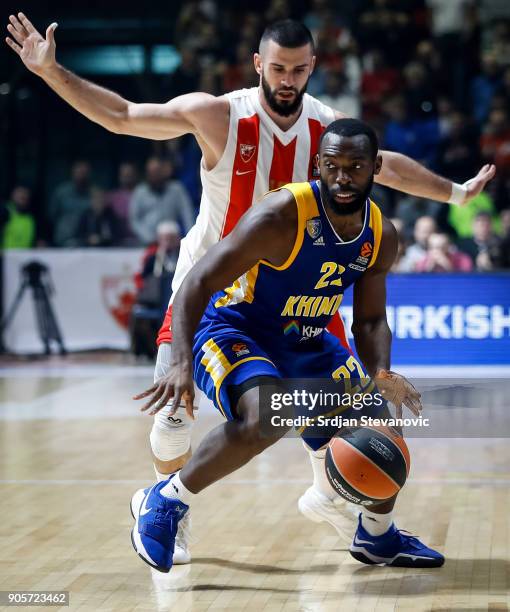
36 52
476 185
177 384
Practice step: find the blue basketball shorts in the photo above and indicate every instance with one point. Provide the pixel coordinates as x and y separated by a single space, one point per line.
225 357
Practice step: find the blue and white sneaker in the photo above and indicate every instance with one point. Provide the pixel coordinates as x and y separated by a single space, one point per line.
395 548
156 521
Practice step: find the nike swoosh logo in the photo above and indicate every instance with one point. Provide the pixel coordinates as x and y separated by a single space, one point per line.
245 172
356 541
144 510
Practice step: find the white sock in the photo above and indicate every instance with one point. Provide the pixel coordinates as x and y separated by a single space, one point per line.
376 524
176 490
159 476
320 479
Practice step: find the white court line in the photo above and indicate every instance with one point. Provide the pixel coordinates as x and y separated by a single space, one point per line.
108 370
95 397
252 482
87 399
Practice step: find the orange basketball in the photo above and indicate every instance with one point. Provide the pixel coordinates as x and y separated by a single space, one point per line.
367 465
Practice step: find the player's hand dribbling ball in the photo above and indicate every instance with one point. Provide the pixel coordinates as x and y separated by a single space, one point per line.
367 465
396 389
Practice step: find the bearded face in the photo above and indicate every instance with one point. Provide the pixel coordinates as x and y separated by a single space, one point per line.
345 200
285 101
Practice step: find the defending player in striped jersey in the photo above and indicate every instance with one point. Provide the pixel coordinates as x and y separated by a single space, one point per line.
251 140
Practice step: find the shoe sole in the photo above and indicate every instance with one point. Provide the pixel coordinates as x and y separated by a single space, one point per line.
156 567
183 561
399 562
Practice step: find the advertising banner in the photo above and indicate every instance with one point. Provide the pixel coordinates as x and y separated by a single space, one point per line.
446 319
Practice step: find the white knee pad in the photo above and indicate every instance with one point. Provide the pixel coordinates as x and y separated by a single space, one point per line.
162 361
170 435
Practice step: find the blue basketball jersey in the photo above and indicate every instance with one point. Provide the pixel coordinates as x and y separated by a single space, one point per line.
293 303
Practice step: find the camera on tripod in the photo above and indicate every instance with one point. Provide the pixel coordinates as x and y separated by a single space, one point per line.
33 273
36 276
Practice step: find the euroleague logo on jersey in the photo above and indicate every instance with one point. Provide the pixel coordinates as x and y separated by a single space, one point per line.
247 151
239 349
363 257
366 249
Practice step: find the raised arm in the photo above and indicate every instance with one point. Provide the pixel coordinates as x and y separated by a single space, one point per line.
190 113
403 173
407 175
265 232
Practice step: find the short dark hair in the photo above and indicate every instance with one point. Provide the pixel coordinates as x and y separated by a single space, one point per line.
353 127
288 33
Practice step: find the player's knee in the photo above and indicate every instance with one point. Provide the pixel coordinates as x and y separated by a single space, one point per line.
170 437
252 436
256 432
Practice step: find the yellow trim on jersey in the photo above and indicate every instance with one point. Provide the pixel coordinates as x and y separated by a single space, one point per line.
242 290
215 362
229 294
232 368
219 367
251 279
376 225
307 209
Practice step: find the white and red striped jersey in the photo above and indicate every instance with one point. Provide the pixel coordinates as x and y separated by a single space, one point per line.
258 156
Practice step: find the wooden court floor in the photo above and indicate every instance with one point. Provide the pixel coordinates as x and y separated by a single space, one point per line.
73 448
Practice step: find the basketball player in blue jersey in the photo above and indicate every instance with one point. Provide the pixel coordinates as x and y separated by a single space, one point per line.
287 263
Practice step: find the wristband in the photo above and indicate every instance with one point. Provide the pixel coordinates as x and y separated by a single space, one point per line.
458 195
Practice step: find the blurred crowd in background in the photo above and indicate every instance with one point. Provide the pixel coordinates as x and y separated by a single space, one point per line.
432 76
